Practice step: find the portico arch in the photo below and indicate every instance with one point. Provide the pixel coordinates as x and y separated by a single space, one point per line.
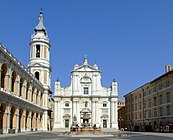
27 90
20 119
27 120
32 120
3 75
36 125
12 118
13 80
21 87
41 117
2 117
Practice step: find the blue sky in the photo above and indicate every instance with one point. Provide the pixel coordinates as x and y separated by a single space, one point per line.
130 40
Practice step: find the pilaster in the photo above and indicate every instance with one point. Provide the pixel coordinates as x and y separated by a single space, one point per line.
17 120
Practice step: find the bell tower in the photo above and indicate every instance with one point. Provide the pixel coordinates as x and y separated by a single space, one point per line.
39 64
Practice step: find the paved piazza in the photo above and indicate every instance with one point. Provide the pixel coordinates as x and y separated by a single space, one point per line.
104 136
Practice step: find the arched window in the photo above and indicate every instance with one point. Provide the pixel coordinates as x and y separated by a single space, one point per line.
37 75
13 81
21 85
37 50
104 104
3 74
32 95
27 90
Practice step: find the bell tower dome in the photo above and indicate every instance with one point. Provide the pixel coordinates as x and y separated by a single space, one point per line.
39 64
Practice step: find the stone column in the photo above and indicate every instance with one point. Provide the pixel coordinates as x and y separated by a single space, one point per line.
5 119
45 98
29 121
34 122
34 96
30 93
45 120
24 89
17 119
17 86
8 80
23 129
8 117
38 122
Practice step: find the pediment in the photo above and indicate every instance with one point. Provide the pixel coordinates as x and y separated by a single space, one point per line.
86 68
36 65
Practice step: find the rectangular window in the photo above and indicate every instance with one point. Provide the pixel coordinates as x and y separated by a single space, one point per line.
144 104
135 97
37 50
85 90
145 93
136 106
145 114
161 99
168 110
161 111
155 113
168 97
149 103
149 114
154 89
132 107
155 101
167 84
160 86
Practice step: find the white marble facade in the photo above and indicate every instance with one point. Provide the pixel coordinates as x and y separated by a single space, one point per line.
85 101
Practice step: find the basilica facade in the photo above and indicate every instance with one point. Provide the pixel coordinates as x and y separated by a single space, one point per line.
85 102
25 93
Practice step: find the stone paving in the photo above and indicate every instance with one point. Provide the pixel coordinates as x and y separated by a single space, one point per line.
105 134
